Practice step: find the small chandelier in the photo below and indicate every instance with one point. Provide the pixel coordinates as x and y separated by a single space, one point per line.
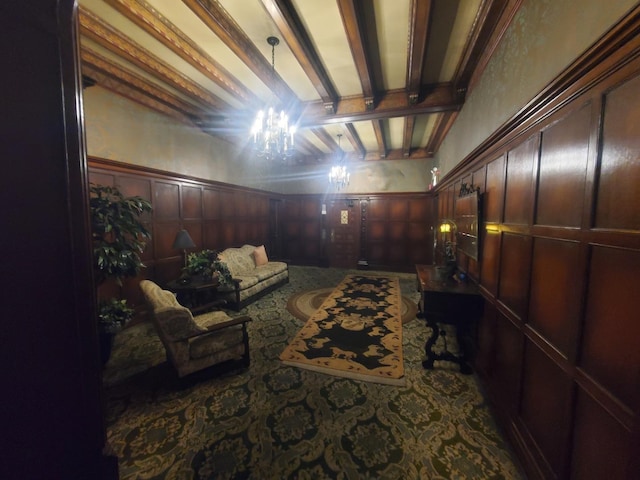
272 135
339 175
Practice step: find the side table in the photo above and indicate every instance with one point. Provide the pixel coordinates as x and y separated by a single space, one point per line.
197 295
444 300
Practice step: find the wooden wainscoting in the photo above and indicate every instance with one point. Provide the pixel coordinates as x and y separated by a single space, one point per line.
559 269
216 216
393 231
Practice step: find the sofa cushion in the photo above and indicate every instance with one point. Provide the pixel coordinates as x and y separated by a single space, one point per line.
239 260
260 256
269 270
210 319
221 345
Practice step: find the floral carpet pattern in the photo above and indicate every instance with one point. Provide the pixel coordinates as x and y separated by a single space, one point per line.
273 421
356 333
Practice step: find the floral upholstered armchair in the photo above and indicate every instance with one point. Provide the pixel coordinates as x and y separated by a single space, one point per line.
194 343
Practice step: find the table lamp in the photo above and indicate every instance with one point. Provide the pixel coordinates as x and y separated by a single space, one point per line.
183 241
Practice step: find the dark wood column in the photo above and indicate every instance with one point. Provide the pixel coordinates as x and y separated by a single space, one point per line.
52 423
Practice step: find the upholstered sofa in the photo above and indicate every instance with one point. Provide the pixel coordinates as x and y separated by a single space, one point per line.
254 275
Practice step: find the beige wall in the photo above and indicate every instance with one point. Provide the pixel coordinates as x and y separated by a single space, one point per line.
544 38
120 129
366 177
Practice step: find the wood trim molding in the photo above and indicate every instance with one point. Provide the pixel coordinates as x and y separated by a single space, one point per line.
149 19
121 167
106 36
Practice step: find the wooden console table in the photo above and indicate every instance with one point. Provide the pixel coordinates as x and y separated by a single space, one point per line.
447 301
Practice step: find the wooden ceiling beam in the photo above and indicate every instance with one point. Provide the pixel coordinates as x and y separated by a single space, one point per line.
326 138
214 16
382 145
398 154
139 89
490 25
284 15
443 124
106 36
354 139
393 103
122 88
353 21
409 123
418 33
302 144
152 22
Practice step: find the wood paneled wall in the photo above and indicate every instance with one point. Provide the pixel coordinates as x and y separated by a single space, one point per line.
559 269
395 228
216 216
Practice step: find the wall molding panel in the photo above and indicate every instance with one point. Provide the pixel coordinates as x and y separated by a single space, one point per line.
560 262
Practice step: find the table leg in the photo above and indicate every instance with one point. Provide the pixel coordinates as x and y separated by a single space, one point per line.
431 356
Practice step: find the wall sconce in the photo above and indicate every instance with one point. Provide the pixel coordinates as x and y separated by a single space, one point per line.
447 226
182 242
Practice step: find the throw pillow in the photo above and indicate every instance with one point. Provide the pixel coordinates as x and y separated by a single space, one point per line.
260 256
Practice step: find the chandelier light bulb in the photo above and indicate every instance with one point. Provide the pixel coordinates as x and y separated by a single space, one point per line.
272 135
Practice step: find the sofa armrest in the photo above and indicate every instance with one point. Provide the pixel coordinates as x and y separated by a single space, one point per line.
243 319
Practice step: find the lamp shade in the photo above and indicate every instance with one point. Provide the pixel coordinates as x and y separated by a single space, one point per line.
183 240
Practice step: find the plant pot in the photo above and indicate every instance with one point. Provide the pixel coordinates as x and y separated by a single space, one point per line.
105 345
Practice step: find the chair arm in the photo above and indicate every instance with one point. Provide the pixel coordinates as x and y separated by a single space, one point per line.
243 319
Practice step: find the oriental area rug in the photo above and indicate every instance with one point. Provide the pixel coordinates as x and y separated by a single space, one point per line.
304 304
356 332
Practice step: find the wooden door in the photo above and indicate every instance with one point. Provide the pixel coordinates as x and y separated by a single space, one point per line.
343 233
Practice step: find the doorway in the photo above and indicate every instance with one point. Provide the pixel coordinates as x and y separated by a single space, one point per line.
343 233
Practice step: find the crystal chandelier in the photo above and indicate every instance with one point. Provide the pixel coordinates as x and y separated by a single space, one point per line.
272 134
339 175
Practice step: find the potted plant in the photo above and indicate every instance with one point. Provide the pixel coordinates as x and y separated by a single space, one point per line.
206 264
118 237
113 314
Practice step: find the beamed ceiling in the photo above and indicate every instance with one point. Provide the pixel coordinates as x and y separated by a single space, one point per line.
389 75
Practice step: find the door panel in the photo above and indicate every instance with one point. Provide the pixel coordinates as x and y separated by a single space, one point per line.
343 230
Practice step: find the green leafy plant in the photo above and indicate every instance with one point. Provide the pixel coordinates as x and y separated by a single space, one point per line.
117 232
118 237
113 314
206 263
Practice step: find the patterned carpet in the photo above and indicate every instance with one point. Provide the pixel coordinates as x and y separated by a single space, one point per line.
273 421
356 333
